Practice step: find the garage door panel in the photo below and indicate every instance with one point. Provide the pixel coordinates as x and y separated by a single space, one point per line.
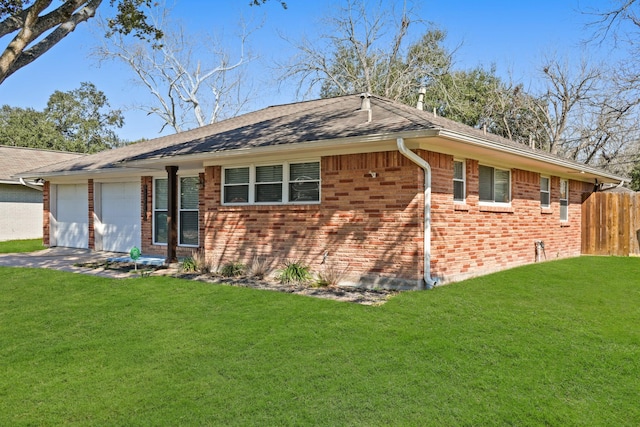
120 216
72 223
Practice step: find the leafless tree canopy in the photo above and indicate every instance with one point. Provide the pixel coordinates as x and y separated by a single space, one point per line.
193 80
366 48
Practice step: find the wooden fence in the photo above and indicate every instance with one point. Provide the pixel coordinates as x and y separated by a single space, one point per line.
611 224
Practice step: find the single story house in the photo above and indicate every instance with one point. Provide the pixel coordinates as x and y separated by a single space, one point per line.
20 200
393 195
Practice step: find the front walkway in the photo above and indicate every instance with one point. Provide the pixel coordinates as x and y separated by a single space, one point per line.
66 259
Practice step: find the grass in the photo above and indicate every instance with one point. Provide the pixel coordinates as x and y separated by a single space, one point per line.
15 246
554 343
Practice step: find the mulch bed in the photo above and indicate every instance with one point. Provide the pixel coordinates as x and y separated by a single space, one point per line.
338 293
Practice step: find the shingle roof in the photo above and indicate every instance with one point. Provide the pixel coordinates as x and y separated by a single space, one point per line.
14 160
322 119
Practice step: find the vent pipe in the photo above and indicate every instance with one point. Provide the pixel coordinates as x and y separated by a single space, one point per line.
365 104
421 93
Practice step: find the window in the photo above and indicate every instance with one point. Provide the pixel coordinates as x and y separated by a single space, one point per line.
304 182
236 185
458 181
188 229
188 211
269 184
545 199
564 200
495 185
160 203
272 184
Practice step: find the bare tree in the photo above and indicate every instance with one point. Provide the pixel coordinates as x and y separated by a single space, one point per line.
194 80
565 92
619 22
587 114
368 49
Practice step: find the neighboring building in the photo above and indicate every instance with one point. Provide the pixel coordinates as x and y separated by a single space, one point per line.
395 195
21 203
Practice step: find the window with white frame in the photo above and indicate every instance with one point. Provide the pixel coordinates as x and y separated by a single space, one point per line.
494 185
188 227
236 185
188 211
459 191
304 182
564 200
269 184
545 192
272 184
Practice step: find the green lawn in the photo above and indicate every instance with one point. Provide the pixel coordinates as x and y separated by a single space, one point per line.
28 245
554 344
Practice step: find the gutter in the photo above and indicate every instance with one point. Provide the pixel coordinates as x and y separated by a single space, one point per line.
524 151
429 282
34 186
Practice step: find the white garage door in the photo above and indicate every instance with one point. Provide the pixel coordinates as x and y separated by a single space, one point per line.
120 216
72 217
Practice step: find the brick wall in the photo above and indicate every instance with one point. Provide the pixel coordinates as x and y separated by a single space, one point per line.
146 218
470 239
370 226
373 226
46 209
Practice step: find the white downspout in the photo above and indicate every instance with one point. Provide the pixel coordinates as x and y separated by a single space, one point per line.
428 280
34 186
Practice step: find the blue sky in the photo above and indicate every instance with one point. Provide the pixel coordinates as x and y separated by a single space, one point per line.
512 34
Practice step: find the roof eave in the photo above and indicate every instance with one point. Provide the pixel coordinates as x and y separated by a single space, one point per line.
80 173
375 142
525 151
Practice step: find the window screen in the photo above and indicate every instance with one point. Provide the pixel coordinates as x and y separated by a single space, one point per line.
545 198
236 185
458 181
304 182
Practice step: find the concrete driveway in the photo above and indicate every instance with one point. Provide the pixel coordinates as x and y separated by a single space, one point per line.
64 259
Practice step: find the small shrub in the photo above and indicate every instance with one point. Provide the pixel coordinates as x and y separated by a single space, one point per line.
232 269
189 265
259 267
330 275
294 272
197 262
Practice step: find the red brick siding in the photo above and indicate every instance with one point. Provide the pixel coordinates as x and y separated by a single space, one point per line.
372 226
470 239
46 209
146 217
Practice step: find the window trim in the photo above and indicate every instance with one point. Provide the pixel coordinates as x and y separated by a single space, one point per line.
154 210
547 191
566 199
286 182
463 180
509 190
